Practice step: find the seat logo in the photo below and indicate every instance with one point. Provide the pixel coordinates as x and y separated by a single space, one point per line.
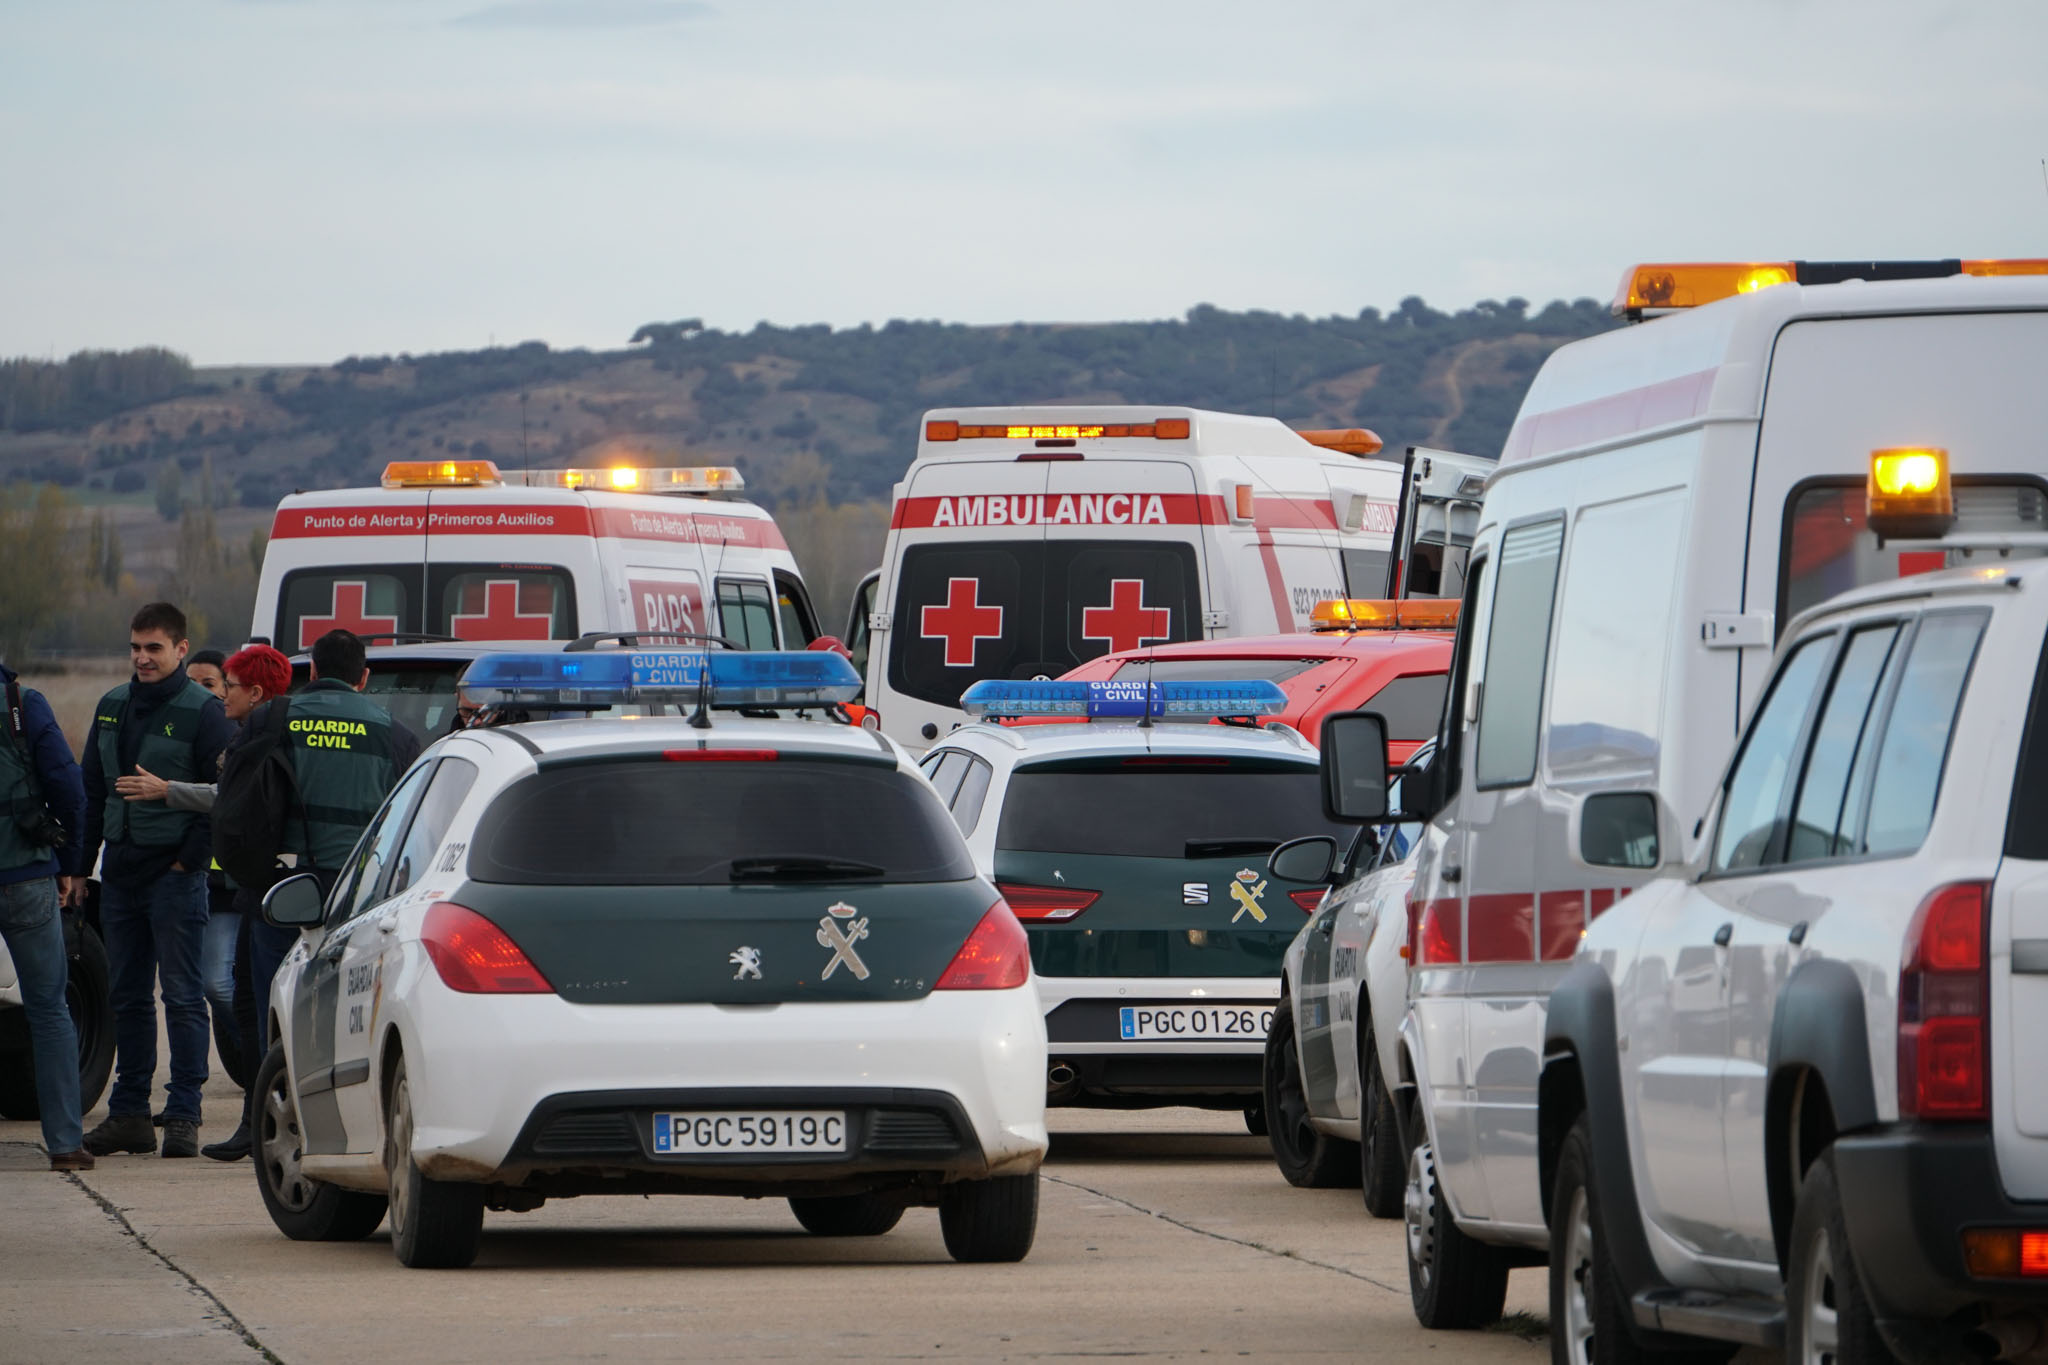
1246 891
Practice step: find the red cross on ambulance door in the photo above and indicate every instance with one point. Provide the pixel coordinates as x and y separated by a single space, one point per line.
492 611
1126 622
348 611
961 621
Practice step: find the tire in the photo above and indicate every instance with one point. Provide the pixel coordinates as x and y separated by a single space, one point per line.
435 1224
1309 1159
304 1210
88 991
227 1044
1828 1318
847 1215
1383 1167
990 1220
1454 1282
1255 1119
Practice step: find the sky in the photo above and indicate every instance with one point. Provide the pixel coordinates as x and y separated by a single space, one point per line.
288 181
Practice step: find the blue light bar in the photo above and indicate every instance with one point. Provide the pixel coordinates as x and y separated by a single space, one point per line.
1162 701
581 682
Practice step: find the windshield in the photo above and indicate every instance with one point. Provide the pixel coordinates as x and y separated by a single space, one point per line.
646 822
1216 670
1163 807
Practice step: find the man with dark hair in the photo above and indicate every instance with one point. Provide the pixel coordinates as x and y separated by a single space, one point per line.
153 879
39 781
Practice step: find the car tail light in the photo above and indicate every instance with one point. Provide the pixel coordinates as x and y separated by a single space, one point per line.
475 956
2006 1253
1308 900
1046 902
1944 1035
996 956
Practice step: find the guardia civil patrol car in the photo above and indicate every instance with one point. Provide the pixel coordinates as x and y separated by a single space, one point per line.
1134 851
688 953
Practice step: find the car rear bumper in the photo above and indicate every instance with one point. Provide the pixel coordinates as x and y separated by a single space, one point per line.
1083 1015
488 1073
1913 1190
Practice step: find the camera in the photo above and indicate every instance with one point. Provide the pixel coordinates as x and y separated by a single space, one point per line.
39 827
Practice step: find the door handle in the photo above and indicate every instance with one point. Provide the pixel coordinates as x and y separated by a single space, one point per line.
1450 872
1723 934
1798 934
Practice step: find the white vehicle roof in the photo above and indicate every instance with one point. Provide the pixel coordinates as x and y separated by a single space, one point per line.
597 737
1963 582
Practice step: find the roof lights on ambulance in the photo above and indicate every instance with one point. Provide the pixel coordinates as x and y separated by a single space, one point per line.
1164 429
634 479
1349 441
1378 613
1908 496
440 474
1660 287
1120 700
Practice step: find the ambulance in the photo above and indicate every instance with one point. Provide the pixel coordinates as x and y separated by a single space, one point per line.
1671 494
1025 541
456 550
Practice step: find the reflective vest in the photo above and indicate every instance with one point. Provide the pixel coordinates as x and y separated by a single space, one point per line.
340 745
17 802
168 750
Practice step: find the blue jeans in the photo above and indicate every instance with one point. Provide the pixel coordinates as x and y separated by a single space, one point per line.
218 961
34 931
157 932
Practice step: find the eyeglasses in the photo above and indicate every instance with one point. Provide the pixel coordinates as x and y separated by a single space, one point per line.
232 685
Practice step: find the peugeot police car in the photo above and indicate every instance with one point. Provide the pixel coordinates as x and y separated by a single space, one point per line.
721 954
1025 541
1789 1092
1669 496
1133 849
457 550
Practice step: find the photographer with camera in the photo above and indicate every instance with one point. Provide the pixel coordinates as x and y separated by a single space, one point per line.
43 797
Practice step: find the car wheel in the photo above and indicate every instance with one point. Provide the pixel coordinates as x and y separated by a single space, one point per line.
435 1224
88 993
1384 1175
1308 1158
990 1220
227 1045
1255 1119
304 1209
1828 1318
847 1215
1453 1281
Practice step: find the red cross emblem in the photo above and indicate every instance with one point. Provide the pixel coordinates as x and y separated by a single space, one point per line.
1126 622
961 621
347 610
500 617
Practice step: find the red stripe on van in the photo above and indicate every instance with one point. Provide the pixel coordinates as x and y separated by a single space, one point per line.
1276 583
1603 419
694 525
466 519
1501 928
1561 921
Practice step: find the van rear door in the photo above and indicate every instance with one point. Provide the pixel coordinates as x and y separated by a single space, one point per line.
378 585
1123 561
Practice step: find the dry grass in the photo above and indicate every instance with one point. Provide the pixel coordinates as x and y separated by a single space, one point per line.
73 692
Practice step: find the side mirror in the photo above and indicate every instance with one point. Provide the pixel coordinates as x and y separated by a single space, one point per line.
1304 860
1618 829
295 903
1354 764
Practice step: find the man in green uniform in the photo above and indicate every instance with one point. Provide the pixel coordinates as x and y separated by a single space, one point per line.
153 879
347 754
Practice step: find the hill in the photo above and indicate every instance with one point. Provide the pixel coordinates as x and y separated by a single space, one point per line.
816 418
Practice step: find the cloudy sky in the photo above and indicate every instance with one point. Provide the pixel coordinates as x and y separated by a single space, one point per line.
299 180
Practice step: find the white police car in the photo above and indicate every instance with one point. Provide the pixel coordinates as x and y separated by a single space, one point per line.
719 954
1135 852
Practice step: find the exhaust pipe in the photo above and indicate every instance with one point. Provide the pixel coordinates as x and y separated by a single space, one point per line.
2017 1336
1060 1075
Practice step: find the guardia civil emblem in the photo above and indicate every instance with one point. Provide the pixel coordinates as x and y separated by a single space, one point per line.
841 940
1246 891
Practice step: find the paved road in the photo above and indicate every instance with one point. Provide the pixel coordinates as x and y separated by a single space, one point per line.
1163 1235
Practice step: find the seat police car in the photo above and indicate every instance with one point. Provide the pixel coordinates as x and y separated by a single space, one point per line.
730 955
1134 851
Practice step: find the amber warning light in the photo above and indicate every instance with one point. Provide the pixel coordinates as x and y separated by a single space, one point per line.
1376 613
1164 429
1660 287
1908 496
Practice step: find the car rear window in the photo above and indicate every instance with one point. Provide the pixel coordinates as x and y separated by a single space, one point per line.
648 822
1160 807
1411 705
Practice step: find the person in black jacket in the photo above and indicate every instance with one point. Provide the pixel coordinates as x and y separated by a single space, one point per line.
39 777
153 880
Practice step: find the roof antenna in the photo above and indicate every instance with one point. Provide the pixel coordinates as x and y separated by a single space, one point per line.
702 719
1145 720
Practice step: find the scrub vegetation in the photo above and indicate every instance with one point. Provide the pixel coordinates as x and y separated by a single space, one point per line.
178 467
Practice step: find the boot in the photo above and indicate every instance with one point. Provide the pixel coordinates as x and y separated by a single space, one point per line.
231 1148
122 1133
181 1137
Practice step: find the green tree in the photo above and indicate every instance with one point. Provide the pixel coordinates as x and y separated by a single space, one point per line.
170 492
36 583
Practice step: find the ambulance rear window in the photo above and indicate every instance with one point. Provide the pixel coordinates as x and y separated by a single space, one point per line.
1828 550
649 822
369 599
501 602
1146 806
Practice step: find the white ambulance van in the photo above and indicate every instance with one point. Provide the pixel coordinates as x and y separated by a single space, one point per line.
1025 541
1669 496
456 550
